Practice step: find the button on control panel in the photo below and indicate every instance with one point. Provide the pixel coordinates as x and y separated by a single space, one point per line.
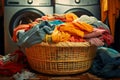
29 1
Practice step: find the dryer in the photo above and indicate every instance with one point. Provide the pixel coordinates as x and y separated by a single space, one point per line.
22 12
79 7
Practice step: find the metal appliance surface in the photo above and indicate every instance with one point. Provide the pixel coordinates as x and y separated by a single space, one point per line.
79 7
22 12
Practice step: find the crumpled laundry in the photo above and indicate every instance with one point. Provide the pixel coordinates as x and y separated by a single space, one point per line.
96 33
61 28
16 56
70 17
58 36
107 38
75 28
106 63
67 17
24 75
87 19
34 35
10 68
111 52
12 63
96 41
100 24
23 28
83 26
64 31
56 22
76 39
70 28
93 21
60 17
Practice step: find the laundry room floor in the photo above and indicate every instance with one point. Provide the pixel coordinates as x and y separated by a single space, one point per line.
84 76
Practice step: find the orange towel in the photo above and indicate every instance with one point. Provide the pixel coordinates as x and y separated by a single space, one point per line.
75 28
70 28
58 36
70 17
83 26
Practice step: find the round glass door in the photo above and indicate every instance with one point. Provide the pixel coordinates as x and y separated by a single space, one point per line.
79 12
24 16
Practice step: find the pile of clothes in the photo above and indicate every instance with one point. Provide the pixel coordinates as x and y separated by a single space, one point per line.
106 63
63 28
15 64
12 63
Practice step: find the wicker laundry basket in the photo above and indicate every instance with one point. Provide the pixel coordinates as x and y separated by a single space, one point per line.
61 59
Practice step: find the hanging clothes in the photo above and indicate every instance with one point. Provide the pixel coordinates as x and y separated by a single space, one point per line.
110 9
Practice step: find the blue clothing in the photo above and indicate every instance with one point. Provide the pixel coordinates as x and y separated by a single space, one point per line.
34 35
100 24
56 22
106 63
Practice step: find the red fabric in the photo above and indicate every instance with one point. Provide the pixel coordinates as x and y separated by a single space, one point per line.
107 38
10 68
96 41
13 66
96 33
20 56
24 27
1 62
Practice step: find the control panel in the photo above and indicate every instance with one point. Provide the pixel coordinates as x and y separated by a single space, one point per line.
28 2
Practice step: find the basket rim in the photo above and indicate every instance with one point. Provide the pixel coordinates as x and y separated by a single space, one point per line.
65 44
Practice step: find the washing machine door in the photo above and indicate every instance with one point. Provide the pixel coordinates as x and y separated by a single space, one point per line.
24 16
79 11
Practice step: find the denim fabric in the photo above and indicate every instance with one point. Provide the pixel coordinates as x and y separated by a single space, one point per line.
106 64
34 35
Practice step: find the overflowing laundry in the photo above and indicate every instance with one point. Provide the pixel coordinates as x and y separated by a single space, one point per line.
35 35
62 28
69 28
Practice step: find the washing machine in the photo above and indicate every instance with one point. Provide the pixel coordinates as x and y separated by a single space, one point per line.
79 7
22 12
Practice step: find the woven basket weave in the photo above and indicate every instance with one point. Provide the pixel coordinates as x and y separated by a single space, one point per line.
60 60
